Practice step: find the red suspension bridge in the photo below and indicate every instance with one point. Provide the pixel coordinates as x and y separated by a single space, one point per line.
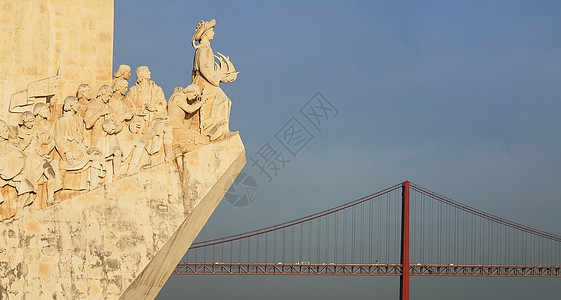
403 230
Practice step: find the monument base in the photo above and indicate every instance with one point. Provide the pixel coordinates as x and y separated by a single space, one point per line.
122 240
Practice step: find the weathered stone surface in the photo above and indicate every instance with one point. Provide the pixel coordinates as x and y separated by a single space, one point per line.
45 38
131 205
121 240
60 149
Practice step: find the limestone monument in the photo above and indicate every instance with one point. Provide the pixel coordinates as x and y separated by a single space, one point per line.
100 197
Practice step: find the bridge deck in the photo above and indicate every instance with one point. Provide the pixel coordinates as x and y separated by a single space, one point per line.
364 269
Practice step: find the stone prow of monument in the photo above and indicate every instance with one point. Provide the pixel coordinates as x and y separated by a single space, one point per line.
121 240
101 194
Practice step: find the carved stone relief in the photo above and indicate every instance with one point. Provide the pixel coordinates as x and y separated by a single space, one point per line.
61 149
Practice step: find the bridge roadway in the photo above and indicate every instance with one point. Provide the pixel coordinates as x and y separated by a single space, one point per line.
364 269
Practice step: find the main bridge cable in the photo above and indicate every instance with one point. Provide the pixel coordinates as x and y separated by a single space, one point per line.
341 207
485 215
293 222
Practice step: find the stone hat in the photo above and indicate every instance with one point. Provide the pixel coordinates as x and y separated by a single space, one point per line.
202 27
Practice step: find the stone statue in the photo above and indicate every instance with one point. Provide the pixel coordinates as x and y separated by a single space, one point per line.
123 72
184 115
36 144
46 149
15 189
125 202
133 146
43 129
96 113
84 95
116 133
121 107
41 112
53 108
207 74
146 95
25 129
80 165
159 140
111 149
183 105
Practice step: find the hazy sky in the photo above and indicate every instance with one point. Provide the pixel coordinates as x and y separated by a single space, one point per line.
461 97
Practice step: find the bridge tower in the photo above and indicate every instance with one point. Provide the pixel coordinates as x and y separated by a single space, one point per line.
404 278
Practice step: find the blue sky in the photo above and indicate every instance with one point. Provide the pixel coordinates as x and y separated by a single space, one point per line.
461 97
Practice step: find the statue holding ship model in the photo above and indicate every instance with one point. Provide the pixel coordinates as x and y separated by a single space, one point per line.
83 143
104 182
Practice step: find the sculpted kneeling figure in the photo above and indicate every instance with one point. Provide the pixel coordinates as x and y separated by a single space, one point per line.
184 116
116 133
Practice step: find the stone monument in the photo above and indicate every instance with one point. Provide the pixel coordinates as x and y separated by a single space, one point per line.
103 190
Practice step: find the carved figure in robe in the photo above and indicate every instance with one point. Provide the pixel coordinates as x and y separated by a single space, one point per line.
123 72
208 74
43 128
54 109
97 112
84 95
133 146
41 112
24 130
15 189
184 116
111 149
80 165
36 144
159 140
147 96
121 107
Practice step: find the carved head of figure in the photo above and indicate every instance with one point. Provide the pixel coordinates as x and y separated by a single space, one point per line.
70 104
209 34
178 90
27 119
120 86
136 124
123 72
142 73
84 91
193 93
104 93
204 31
41 110
109 126
4 130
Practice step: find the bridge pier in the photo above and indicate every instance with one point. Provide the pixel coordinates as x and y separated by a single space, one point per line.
404 278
